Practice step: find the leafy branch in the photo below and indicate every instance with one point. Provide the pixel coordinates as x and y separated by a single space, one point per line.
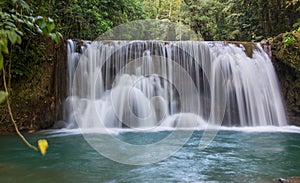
13 24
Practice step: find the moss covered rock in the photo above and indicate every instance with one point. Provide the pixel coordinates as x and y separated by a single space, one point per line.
37 101
286 59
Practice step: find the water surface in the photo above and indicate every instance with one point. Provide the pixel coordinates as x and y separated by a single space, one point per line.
233 156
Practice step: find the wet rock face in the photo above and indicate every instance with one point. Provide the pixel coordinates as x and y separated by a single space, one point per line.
287 65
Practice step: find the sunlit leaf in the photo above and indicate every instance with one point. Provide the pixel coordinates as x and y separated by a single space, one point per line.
39 30
19 39
50 20
1 60
43 25
29 24
4 48
50 27
39 18
21 20
10 24
54 37
3 96
19 32
59 34
43 146
12 36
24 4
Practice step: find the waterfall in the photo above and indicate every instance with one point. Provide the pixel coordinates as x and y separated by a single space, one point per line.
144 84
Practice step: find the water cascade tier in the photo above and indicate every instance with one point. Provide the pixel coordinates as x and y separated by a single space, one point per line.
147 84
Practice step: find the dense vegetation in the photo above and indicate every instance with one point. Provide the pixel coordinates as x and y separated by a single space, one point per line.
18 21
243 20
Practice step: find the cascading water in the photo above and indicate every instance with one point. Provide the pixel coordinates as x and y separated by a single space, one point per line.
143 84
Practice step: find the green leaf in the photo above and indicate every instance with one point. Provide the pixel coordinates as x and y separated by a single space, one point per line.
59 34
24 4
39 18
10 24
3 44
43 25
19 39
3 96
54 37
12 36
21 20
1 61
39 30
20 32
50 20
29 24
50 27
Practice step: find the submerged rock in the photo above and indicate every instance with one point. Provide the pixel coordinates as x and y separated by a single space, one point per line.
288 180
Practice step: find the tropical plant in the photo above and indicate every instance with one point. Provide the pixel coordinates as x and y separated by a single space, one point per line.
88 19
16 21
288 39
